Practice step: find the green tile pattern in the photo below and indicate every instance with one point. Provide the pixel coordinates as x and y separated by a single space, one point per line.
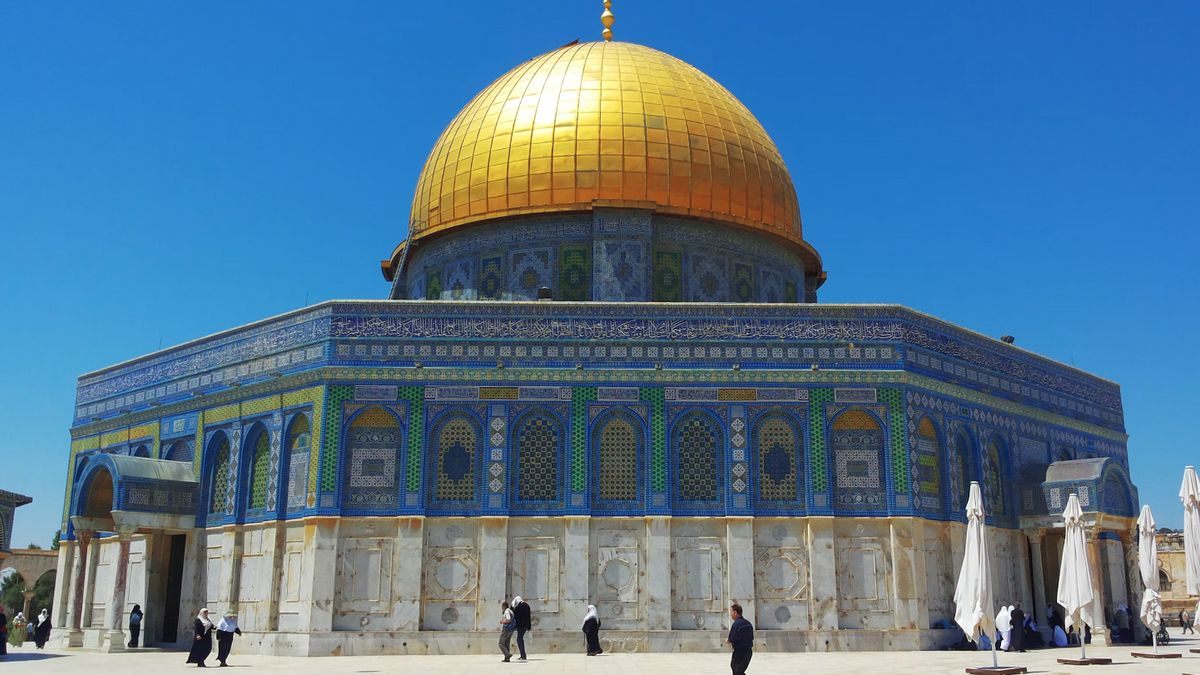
894 399
416 435
580 397
656 397
336 396
817 398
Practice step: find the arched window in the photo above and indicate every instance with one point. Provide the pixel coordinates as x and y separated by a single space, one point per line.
299 440
180 451
616 447
372 467
961 473
457 452
777 450
858 461
538 445
698 444
219 489
993 479
141 451
928 466
260 464
1164 582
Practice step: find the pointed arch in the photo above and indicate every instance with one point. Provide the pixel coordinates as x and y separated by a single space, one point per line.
257 460
537 447
859 473
927 465
371 472
778 448
299 442
220 488
141 450
698 449
995 501
179 451
456 455
618 465
962 470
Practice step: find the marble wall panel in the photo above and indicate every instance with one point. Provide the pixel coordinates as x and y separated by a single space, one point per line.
213 567
940 576
698 563
291 577
535 564
617 572
863 562
366 565
104 575
781 574
254 581
451 569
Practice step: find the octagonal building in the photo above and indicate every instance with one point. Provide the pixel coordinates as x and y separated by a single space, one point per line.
601 376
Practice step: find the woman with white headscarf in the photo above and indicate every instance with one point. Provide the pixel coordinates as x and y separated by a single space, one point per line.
1004 627
201 639
16 632
226 628
591 629
41 634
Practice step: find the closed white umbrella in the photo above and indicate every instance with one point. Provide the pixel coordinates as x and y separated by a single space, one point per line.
1151 612
973 595
1075 591
1189 494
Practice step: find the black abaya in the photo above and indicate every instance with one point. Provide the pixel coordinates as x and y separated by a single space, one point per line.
41 634
201 643
591 629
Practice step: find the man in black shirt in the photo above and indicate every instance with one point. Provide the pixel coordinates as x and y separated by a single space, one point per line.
524 622
741 638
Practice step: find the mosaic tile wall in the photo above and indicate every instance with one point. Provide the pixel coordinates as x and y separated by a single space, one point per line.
612 254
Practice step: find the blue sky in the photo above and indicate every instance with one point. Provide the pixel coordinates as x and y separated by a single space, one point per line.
168 170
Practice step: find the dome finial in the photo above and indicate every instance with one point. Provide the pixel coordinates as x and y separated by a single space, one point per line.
607 19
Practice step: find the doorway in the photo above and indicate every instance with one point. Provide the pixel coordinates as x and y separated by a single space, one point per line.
170 615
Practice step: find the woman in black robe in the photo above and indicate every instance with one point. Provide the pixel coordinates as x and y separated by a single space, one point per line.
591 629
201 639
41 634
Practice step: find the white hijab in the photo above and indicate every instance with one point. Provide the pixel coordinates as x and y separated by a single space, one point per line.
228 623
43 617
591 614
516 601
203 617
19 617
1004 619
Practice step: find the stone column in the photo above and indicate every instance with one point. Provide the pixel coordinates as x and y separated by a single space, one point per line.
28 593
63 584
823 571
320 563
410 542
739 536
493 570
115 611
1039 581
658 573
577 570
79 571
89 584
193 590
276 552
1100 633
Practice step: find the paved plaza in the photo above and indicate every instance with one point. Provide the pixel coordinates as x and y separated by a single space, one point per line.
27 660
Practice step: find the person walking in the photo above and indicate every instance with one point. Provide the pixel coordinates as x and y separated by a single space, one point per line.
1185 622
16 632
41 634
1122 623
507 625
135 626
1017 616
202 629
227 627
591 629
521 613
741 638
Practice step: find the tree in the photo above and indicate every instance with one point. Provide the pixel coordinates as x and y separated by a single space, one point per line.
34 547
55 542
12 596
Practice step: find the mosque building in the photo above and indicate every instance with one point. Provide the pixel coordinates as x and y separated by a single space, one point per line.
601 376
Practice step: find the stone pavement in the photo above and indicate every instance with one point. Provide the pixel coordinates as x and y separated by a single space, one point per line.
28 660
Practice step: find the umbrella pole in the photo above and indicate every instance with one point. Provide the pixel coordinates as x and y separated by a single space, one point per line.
1082 644
1155 634
995 663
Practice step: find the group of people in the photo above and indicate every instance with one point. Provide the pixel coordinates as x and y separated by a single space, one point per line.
516 617
36 631
203 629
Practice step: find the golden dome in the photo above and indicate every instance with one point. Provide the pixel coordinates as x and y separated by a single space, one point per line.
610 124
